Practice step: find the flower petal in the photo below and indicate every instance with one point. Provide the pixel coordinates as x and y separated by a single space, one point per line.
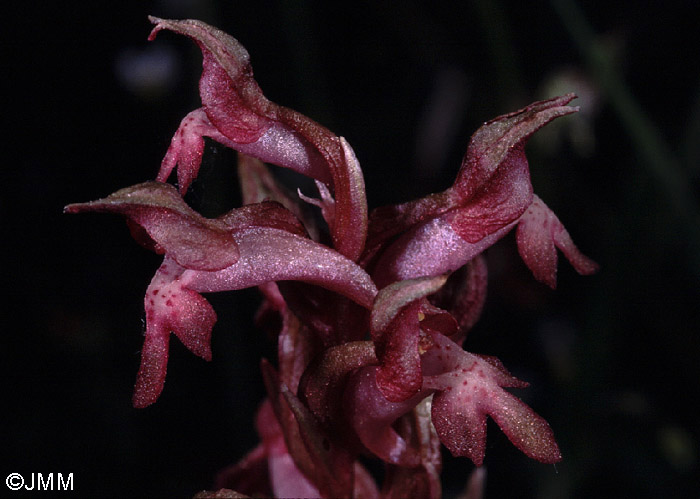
491 191
372 416
470 388
539 234
239 110
268 254
395 328
170 307
461 427
528 431
154 365
498 140
186 148
464 296
430 249
190 239
236 106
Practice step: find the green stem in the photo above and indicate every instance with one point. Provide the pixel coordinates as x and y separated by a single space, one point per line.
645 136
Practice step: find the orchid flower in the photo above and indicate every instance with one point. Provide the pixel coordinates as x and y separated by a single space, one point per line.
236 113
370 326
238 261
490 196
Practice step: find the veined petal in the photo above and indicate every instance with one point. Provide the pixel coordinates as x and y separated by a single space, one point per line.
539 234
190 239
491 192
503 199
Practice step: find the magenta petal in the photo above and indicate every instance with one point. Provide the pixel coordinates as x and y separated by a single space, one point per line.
470 388
500 202
190 239
170 308
499 139
372 415
539 234
528 431
186 148
430 249
399 376
154 364
236 106
395 328
231 97
461 429
276 255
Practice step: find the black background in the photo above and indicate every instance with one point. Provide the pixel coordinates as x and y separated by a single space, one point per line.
613 359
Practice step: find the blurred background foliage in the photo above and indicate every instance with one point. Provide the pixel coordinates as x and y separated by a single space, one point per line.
613 359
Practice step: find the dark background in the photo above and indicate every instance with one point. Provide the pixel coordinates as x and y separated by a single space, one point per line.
613 359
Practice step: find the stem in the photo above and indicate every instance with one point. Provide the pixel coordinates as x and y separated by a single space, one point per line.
646 138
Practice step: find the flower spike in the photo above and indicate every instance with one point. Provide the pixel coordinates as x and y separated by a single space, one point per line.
368 328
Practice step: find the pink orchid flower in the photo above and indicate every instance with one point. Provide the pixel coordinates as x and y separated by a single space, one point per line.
370 325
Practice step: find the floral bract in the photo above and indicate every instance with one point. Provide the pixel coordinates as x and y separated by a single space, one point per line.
371 317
